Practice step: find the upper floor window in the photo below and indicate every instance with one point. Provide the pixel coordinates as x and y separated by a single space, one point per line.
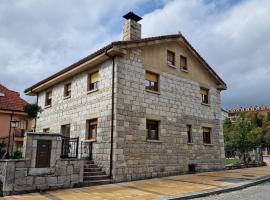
93 81
183 63
206 135
65 130
189 134
152 129
92 129
48 100
204 95
67 90
170 58
46 130
151 81
2 94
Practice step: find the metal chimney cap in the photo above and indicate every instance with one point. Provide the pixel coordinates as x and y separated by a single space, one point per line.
132 16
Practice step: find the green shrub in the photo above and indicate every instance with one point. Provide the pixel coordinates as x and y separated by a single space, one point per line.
17 154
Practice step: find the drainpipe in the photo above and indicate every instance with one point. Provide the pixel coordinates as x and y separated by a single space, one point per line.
36 116
112 114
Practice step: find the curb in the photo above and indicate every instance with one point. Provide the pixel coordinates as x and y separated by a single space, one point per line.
219 191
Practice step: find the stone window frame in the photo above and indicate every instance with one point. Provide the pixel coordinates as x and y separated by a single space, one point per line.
155 90
171 58
48 98
183 68
63 130
202 96
95 84
67 93
92 122
158 130
209 142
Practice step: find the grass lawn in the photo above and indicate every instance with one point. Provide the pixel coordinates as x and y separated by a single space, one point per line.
229 161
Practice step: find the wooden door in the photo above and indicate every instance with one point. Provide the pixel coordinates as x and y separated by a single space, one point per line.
43 156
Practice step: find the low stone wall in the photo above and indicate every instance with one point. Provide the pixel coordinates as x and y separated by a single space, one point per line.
18 178
22 175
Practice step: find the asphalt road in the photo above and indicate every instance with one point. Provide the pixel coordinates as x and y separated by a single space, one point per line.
258 192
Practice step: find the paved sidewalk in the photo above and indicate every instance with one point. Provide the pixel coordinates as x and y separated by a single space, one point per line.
158 188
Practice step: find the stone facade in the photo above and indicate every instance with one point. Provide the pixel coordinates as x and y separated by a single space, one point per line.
177 104
80 107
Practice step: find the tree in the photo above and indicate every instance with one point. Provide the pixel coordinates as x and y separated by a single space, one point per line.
250 130
32 110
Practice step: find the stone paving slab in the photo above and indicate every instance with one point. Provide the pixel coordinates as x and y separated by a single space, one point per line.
158 188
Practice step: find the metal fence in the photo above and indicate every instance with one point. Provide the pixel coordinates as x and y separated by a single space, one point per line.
86 149
70 147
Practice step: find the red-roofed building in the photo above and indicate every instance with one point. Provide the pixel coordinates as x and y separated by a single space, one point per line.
11 108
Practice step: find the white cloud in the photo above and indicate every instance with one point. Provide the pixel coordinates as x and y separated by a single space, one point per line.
39 38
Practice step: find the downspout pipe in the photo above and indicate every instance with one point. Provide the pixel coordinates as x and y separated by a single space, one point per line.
112 114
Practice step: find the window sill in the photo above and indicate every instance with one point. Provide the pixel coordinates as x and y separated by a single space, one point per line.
206 104
152 91
170 65
154 141
190 143
184 70
91 91
48 106
67 97
92 140
208 144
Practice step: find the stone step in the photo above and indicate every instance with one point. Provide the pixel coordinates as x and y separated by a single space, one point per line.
97 177
89 162
90 166
94 173
94 182
92 169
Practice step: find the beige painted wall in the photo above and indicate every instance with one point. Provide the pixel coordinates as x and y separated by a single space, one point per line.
5 118
154 59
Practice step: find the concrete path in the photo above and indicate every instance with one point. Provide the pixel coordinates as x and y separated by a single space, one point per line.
158 188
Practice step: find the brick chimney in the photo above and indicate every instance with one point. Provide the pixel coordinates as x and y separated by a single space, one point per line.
131 29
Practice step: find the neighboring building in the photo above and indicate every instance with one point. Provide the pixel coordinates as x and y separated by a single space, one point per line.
11 108
224 114
234 113
160 94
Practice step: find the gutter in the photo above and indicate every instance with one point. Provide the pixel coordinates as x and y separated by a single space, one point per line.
112 114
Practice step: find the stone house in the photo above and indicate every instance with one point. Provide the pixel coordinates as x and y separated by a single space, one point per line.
149 106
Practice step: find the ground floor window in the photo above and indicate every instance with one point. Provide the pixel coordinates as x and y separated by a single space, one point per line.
206 135
65 130
91 129
152 129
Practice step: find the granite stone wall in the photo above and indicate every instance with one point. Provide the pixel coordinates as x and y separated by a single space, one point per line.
177 104
79 108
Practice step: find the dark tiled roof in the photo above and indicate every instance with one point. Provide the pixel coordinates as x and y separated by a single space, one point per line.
10 100
251 108
115 43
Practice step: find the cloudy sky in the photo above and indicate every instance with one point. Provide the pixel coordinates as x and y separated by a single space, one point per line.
38 38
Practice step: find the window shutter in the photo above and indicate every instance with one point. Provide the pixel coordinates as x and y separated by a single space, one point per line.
204 91
69 87
49 95
94 77
151 77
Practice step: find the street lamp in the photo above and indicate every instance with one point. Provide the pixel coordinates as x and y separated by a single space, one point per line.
13 124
